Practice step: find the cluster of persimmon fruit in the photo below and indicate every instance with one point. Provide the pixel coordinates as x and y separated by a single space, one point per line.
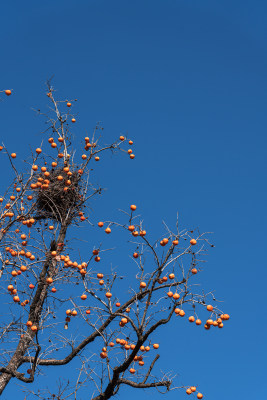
42 179
124 344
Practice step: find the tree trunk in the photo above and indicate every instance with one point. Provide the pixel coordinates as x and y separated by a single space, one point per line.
34 316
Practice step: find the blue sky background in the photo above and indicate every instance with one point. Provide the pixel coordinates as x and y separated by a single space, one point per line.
187 81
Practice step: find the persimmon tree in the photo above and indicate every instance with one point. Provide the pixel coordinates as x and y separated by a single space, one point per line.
39 263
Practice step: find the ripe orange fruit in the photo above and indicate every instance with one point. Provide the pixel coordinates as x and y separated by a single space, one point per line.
38 150
155 345
135 255
8 92
108 295
68 104
176 296
200 396
97 158
193 388
130 142
193 242
83 297
188 391
209 307
175 242
198 322
73 120
100 224
132 156
34 328
133 207
49 280
13 155
191 318
194 271
122 137
142 285
132 370
107 230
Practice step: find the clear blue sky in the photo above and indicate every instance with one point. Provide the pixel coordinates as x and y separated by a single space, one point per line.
187 81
